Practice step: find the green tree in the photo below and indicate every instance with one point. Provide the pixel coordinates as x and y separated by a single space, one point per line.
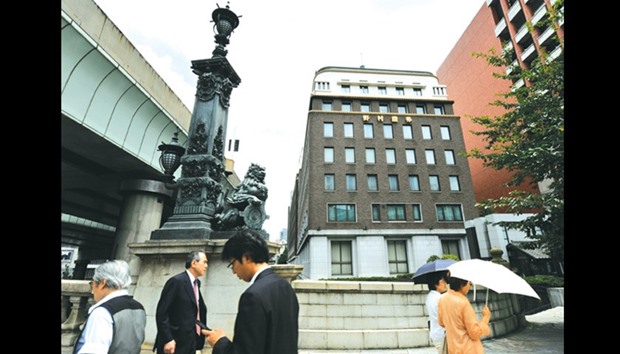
528 140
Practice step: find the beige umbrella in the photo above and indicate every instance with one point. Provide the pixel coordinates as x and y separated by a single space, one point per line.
491 275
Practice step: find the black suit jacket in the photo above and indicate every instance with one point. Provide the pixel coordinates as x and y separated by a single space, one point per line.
176 316
266 320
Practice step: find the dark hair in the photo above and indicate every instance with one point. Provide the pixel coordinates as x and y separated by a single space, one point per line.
192 256
456 283
247 243
433 279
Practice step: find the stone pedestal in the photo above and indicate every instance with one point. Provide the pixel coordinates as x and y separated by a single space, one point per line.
288 271
221 289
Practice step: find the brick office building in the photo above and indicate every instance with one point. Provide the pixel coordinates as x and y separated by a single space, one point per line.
382 186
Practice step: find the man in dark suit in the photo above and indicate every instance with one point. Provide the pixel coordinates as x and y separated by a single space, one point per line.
267 316
178 307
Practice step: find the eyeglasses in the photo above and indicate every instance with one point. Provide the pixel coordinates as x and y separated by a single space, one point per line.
229 266
90 283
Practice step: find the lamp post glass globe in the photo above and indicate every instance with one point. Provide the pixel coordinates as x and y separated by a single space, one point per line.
170 158
225 21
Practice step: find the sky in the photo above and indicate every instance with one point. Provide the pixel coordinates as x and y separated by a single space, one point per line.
276 50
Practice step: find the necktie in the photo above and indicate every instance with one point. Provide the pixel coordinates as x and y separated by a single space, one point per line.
197 306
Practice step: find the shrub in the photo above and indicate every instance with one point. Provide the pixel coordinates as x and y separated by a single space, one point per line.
550 281
445 256
398 278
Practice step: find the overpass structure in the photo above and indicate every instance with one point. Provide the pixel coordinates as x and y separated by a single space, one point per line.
115 111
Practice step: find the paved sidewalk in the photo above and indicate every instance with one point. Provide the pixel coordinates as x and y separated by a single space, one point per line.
544 334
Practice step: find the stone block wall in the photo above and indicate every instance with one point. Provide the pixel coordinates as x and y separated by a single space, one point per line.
350 315
361 315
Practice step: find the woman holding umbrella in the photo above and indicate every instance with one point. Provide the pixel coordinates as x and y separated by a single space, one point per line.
457 316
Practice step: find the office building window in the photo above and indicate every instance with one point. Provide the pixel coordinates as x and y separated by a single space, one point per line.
397 257
400 91
390 156
383 108
368 131
430 156
376 212
417 92
382 90
393 183
434 182
329 182
364 89
396 212
426 132
451 247
327 106
351 182
349 155
365 107
438 110
420 109
348 130
342 259
445 132
345 88
370 156
341 212
328 155
328 129
322 85
414 182
402 108
417 212
454 183
410 155
388 133
449 154
346 106
407 131
439 91
449 212
373 183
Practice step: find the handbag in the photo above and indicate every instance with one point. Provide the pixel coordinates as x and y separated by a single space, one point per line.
444 345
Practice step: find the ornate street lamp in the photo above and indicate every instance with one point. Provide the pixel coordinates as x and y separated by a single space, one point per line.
199 187
200 210
225 21
170 158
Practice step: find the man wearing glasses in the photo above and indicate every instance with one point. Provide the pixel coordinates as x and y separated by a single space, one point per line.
115 324
268 310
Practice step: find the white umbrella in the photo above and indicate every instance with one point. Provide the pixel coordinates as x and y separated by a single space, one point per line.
493 276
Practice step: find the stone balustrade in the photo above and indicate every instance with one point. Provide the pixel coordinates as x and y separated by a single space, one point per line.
336 315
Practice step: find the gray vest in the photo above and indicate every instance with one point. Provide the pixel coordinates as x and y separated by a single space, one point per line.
129 319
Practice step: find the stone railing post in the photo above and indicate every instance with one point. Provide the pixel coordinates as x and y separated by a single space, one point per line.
77 293
288 271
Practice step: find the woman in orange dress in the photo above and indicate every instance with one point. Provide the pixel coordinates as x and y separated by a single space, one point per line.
457 316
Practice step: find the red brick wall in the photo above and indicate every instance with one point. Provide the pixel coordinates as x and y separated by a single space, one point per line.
470 83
